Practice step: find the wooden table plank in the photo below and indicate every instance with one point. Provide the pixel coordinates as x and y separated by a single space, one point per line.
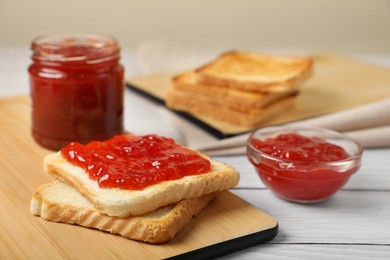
349 217
313 251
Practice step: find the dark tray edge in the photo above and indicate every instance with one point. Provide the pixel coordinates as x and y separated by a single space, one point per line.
230 246
211 130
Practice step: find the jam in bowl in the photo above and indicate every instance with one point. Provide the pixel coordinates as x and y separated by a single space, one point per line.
303 164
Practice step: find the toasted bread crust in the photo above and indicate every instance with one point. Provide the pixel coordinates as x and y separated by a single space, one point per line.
188 82
196 104
255 71
122 203
156 227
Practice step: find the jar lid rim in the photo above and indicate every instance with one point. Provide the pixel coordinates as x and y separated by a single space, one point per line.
74 47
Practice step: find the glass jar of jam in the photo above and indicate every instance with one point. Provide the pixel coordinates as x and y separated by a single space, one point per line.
76 84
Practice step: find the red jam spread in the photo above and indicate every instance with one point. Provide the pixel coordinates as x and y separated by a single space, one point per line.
302 174
134 162
76 84
295 147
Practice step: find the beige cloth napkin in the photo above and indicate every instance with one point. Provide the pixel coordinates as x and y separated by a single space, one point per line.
368 124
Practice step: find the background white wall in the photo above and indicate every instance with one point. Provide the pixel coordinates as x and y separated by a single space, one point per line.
347 26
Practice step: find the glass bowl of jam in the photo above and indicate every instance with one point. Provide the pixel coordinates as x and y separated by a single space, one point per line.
303 164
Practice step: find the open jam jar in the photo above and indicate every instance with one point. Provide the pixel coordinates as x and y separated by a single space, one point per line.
76 84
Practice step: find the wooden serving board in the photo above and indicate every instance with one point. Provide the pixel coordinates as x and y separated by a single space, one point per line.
338 83
228 224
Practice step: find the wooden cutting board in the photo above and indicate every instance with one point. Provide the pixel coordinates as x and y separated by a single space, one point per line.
337 83
228 224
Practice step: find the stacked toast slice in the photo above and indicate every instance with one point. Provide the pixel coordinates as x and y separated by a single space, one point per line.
241 88
154 214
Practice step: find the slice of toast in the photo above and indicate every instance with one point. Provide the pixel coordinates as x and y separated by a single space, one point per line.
220 110
59 202
259 72
187 82
122 203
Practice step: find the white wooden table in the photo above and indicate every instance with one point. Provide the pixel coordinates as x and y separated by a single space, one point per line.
353 224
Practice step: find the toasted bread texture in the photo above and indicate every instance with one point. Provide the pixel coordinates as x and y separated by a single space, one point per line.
59 202
123 203
218 109
187 82
253 71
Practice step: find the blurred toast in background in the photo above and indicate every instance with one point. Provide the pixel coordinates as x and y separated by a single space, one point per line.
251 71
241 88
